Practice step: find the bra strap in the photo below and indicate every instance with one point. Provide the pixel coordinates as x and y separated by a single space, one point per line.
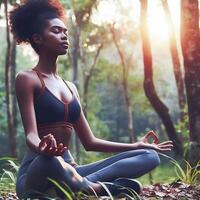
68 86
40 77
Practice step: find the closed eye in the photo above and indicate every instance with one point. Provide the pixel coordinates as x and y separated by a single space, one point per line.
57 29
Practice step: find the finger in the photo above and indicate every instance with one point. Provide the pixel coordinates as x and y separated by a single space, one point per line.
152 140
165 149
153 135
156 139
43 140
165 145
46 136
42 144
49 142
52 151
166 142
53 141
60 146
62 151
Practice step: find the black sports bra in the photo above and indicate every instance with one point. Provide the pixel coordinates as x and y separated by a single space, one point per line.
51 110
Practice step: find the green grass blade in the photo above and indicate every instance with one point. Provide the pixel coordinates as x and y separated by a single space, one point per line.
13 165
8 174
68 196
106 189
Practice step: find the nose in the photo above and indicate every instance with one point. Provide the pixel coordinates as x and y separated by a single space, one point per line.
64 36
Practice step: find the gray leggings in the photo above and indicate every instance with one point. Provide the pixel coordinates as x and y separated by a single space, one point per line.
36 168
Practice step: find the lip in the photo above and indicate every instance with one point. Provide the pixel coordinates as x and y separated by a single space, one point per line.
65 45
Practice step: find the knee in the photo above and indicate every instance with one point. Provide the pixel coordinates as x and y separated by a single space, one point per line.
42 167
153 157
47 163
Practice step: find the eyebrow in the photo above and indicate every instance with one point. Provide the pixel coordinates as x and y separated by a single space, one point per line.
65 29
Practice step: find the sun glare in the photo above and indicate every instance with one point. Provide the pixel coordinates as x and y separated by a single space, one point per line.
157 22
108 11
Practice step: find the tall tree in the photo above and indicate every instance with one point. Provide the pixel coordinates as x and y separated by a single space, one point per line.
81 15
87 77
10 67
125 72
160 108
175 59
191 56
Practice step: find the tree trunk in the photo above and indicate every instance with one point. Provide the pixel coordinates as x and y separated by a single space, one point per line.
87 77
149 88
191 56
10 67
75 58
125 70
175 59
81 17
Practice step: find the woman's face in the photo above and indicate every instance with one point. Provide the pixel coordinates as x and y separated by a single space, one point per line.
54 37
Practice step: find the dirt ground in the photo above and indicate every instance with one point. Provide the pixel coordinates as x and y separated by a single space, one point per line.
172 191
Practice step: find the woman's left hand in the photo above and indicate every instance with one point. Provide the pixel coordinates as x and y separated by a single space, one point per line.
163 146
150 134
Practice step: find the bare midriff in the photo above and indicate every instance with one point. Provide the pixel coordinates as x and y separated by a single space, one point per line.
61 132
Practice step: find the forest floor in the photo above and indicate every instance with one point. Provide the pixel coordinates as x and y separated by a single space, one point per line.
171 191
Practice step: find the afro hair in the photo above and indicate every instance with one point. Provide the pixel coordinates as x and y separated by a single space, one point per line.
31 17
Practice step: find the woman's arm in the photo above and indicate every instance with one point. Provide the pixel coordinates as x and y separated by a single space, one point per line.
91 143
25 87
25 97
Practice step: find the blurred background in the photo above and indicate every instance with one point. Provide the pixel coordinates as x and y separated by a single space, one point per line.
126 60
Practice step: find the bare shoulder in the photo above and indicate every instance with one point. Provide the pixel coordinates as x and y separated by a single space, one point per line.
25 75
26 79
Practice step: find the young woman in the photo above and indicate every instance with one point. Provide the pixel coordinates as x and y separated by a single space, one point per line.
50 108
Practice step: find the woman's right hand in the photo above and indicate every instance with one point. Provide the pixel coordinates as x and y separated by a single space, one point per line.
48 146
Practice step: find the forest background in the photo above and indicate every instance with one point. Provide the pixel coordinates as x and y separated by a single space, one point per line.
136 66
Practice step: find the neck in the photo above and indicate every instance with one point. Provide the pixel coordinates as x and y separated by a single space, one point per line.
47 63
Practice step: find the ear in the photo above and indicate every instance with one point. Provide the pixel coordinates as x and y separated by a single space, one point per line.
37 39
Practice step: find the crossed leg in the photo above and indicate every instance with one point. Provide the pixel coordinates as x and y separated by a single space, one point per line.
129 164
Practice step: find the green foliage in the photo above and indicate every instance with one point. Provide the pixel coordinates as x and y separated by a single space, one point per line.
164 173
187 173
82 195
66 3
67 192
8 174
183 126
80 5
182 129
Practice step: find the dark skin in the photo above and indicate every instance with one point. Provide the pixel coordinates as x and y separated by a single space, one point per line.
54 141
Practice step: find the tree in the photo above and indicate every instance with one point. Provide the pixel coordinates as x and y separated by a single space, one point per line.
87 77
10 67
175 59
80 17
191 56
125 72
160 108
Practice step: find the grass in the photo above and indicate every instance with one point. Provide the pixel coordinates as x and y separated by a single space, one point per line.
8 175
162 174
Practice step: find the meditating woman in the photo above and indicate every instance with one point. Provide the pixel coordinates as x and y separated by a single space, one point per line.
50 108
